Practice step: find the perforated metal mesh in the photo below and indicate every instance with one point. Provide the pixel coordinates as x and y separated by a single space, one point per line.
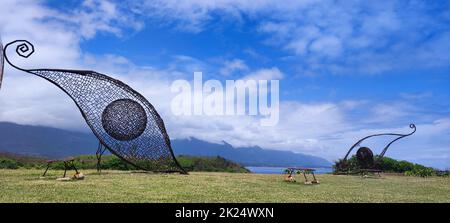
122 119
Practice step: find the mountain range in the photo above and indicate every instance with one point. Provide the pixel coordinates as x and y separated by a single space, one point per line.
57 143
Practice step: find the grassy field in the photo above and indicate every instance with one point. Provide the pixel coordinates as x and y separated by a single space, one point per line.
122 186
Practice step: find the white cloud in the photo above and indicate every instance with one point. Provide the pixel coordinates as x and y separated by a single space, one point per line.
388 112
231 66
95 16
329 45
265 74
193 15
416 96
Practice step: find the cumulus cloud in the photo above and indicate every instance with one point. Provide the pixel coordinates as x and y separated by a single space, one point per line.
230 66
265 74
101 16
194 15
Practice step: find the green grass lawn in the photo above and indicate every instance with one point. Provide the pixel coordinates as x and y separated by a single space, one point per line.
125 186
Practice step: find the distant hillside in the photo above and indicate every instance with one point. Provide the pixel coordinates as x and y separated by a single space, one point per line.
111 162
249 156
44 141
58 143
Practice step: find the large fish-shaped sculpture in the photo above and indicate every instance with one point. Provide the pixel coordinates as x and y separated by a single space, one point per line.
124 122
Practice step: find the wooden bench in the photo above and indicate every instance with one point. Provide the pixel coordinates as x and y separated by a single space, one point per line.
292 170
68 163
364 172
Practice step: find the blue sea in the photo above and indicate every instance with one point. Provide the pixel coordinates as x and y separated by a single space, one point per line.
280 170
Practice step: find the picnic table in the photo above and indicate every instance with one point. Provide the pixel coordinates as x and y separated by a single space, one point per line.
68 163
364 172
292 170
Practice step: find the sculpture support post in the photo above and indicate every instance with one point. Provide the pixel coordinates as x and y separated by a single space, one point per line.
100 150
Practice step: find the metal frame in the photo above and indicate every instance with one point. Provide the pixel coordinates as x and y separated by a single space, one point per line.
134 136
292 170
68 163
400 136
100 150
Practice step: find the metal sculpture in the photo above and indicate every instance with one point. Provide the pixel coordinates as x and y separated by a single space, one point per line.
124 122
365 156
1 63
68 164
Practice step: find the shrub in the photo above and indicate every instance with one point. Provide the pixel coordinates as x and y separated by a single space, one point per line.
115 163
388 165
6 163
420 171
445 173
347 166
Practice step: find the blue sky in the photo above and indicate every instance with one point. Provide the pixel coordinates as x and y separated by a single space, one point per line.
348 68
222 38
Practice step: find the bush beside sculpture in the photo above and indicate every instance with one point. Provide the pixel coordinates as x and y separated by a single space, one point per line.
389 165
11 161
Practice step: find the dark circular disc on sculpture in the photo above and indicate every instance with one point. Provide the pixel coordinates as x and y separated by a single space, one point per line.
364 156
124 119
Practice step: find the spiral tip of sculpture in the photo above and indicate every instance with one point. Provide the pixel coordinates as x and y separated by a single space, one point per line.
25 50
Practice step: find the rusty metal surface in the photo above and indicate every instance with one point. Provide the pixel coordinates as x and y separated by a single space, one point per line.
365 157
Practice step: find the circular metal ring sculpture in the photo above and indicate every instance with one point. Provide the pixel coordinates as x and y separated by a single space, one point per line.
365 156
122 119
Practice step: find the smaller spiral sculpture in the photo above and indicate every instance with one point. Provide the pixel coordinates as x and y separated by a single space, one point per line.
365 156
